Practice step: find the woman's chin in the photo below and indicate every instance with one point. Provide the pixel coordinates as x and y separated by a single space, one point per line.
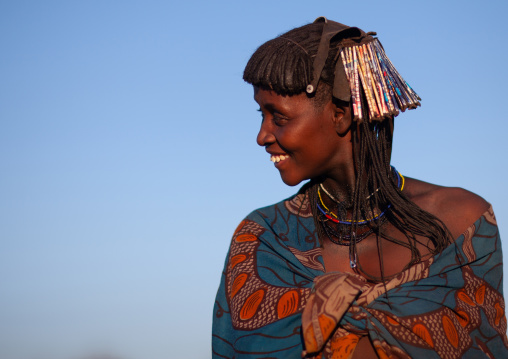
289 180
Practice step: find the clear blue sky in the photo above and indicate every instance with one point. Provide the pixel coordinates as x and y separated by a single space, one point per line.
128 154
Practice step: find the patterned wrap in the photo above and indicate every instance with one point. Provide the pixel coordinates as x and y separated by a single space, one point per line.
275 299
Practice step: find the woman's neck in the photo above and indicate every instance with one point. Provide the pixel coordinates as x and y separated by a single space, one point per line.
341 184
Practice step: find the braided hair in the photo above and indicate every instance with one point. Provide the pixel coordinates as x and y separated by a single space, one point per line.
285 66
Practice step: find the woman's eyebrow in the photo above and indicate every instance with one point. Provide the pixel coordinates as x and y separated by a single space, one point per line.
271 107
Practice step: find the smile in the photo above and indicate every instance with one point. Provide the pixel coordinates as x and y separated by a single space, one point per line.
278 158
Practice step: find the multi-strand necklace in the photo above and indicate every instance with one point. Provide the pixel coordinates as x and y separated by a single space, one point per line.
348 232
339 230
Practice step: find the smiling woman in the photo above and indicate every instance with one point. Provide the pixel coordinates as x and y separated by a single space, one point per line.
362 262
299 136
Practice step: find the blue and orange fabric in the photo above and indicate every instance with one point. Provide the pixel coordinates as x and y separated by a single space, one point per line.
276 301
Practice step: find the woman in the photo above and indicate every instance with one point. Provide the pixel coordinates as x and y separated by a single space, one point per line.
362 262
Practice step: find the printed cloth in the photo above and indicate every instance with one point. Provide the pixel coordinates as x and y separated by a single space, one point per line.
276 301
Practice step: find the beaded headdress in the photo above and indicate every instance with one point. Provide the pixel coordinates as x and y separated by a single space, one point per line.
364 75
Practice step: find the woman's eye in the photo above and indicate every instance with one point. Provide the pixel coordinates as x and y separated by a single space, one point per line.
279 120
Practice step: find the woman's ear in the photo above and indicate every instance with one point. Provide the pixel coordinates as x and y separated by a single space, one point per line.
342 119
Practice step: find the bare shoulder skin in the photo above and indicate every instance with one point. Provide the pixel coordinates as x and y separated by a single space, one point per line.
456 207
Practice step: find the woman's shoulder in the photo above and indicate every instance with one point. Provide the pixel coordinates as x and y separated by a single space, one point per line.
456 207
297 204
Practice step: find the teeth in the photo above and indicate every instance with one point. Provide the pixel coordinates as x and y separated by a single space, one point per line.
278 158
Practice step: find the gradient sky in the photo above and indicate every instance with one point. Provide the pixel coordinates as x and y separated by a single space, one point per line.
128 154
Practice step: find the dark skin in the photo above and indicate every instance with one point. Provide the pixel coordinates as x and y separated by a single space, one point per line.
313 141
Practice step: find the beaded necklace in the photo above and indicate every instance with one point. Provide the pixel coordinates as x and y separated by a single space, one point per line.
337 231
334 218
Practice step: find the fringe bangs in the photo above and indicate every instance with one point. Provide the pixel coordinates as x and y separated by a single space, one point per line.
280 65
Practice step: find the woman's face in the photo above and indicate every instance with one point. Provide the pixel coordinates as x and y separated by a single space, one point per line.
302 137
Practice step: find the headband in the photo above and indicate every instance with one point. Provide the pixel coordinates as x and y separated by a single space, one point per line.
364 75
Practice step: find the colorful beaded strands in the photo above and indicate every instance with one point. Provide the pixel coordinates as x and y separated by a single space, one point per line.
364 75
336 228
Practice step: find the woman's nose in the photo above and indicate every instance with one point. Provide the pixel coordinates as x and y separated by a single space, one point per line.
265 135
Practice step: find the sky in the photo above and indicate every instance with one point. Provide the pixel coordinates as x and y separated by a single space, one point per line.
128 153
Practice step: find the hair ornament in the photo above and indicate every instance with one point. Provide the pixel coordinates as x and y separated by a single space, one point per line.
364 74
